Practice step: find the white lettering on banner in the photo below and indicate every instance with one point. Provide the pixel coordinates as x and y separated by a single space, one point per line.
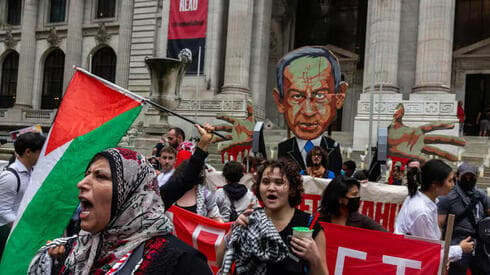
202 228
401 263
188 5
347 252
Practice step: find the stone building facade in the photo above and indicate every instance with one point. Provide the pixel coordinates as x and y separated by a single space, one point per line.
390 51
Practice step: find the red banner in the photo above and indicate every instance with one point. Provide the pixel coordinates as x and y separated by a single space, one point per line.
383 213
187 19
199 232
353 250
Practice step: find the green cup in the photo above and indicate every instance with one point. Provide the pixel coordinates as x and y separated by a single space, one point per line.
302 232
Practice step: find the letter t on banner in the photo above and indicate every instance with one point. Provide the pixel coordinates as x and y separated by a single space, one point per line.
401 263
347 252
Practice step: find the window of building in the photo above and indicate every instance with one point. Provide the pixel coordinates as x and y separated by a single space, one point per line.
57 11
105 9
53 79
14 8
10 67
104 63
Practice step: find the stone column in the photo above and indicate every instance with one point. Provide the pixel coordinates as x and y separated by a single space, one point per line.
382 42
124 47
215 44
238 47
25 83
73 54
260 55
434 46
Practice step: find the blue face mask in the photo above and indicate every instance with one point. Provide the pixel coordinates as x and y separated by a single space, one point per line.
342 172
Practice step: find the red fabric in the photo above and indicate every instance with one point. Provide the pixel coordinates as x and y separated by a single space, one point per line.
181 156
199 232
383 213
151 250
353 250
460 113
187 19
88 102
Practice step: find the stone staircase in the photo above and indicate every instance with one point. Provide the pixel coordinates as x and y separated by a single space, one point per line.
477 151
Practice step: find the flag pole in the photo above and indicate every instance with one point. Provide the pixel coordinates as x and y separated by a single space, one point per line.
142 99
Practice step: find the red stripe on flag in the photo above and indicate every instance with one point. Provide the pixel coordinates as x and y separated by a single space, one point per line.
86 105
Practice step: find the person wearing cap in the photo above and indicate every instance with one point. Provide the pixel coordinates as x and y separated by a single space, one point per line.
469 205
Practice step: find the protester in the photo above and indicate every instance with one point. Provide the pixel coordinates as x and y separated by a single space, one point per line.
317 163
482 119
167 162
348 168
234 197
158 147
418 215
251 164
461 117
124 228
180 183
15 179
340 204
469 205
176 139
265 233
200 199
362 176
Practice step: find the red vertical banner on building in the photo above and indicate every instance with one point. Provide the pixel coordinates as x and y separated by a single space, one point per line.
187 29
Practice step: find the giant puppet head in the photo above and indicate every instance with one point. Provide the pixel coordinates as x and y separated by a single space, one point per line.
309 91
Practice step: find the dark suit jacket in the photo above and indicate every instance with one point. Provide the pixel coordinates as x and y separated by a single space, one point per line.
290 149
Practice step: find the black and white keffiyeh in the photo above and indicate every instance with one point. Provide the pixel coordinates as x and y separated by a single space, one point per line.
254 246
42 263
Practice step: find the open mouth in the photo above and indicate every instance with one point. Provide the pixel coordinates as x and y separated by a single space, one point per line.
308 125
271 197
86 207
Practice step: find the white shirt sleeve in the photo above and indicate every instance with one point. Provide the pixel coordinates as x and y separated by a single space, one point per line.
8 193
455 253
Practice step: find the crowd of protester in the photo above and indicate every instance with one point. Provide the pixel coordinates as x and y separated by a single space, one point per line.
105 228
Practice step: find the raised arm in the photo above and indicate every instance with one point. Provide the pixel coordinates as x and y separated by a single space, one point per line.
178 185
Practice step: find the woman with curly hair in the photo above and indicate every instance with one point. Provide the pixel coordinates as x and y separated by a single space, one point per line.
279 188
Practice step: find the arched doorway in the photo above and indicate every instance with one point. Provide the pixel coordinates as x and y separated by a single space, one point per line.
8 89
53 79
104 63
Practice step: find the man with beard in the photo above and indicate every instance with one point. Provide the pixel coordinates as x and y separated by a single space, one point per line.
469 205
316 164
175 138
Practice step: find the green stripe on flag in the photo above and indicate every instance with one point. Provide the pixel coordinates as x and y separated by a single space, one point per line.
51 208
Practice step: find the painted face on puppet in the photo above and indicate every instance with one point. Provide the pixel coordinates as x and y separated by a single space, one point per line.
95 195
274 189
310 103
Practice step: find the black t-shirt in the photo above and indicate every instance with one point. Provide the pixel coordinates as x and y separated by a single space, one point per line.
290 266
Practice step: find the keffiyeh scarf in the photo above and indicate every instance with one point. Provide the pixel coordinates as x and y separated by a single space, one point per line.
254 246
137 215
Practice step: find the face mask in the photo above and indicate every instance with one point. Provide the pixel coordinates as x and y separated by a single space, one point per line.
467 184
342 172
353 204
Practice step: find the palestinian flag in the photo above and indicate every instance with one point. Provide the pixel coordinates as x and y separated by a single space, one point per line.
94 115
